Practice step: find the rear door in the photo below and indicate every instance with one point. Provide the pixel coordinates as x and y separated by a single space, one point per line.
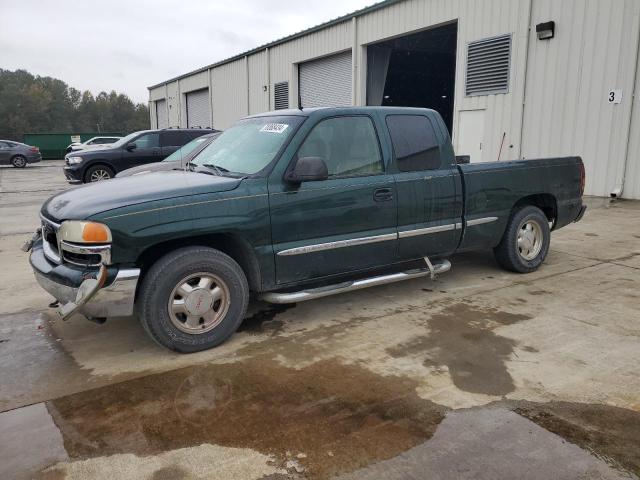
345 223
429 210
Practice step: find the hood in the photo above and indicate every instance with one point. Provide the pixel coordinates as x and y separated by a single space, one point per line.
83 202
149 168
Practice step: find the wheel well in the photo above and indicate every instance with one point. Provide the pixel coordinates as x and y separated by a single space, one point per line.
233 245
544 201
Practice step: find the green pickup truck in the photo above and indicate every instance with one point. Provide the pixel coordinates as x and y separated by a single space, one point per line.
289 206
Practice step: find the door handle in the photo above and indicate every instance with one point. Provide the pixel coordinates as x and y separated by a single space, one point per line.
383 195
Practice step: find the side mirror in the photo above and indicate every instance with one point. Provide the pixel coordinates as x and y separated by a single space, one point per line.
308 169
131 147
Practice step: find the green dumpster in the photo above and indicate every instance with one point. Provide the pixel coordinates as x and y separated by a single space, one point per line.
54 145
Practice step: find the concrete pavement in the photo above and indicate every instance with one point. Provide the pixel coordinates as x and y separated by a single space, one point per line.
480 374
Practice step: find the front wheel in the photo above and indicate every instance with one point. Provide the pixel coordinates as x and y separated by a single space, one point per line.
193 299
525 242
97 173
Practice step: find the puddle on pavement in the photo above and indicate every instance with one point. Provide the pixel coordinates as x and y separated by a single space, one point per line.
461 337
610 433
340 417
264 320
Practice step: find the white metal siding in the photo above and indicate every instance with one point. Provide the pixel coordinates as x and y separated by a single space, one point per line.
161 113
230 100
198 114
258 83
568 78
326 82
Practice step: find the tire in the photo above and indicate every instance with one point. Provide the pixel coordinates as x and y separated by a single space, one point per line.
161 291
19 161
98 173
525 243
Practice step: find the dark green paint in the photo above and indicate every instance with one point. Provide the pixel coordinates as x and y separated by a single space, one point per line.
268 215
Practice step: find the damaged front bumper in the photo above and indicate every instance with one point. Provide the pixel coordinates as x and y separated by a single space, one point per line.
95 292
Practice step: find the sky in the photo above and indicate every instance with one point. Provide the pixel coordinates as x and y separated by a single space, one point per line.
128 45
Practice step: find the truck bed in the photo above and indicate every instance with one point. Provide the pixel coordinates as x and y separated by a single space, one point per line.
492 190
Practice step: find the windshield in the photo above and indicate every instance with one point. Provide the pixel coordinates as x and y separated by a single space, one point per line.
186 149
249 145
125 140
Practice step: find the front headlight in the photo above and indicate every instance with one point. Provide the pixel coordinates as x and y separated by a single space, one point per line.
76 231
74 160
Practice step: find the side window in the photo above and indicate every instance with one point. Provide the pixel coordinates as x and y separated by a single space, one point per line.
348 145
175 138
4 146
148 140
415 144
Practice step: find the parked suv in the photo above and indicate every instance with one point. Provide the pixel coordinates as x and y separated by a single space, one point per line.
138 148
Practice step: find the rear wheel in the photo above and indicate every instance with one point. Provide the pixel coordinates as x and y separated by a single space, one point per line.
525 242
19 161
97 173
193 299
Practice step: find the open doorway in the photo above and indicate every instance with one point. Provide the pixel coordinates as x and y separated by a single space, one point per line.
416 70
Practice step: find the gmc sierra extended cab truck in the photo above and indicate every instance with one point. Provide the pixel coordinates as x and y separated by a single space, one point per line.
289 206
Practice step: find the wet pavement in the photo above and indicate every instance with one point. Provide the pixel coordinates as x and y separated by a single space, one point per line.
481 374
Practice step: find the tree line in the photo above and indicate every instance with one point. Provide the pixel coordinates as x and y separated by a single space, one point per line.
35 104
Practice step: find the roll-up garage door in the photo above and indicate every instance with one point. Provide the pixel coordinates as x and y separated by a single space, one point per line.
326 82
161 114
198 108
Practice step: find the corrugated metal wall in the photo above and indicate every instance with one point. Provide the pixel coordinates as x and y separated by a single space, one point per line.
568 79
560 108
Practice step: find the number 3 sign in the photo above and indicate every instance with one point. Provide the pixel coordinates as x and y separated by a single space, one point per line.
614 96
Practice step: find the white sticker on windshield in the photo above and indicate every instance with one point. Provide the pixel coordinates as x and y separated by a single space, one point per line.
274 127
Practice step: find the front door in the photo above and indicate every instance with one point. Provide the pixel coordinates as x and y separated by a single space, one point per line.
147 150
345 223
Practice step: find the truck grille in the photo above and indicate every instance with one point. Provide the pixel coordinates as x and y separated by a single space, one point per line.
50 239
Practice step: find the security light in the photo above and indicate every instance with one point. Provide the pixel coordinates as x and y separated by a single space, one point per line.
546 30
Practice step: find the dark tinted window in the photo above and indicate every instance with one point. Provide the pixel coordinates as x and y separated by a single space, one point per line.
190 135
175 138
414 143
349 146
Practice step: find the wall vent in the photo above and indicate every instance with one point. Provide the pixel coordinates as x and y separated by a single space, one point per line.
281 95
488 63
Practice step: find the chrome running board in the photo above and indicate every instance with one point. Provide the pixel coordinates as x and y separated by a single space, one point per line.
313 293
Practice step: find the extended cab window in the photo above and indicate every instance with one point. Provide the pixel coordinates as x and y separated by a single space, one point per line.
348 145
148 140
415 144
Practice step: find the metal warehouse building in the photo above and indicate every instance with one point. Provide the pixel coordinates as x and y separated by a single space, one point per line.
511 78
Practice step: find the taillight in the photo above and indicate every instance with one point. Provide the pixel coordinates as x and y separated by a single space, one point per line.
34 149
582 178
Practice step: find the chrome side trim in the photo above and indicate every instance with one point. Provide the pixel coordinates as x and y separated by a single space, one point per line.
103 250
481 221
304 295
338 244
428 230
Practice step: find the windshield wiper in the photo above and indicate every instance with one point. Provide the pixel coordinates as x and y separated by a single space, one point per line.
219 170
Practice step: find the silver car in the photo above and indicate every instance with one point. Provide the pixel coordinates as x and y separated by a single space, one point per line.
18 154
